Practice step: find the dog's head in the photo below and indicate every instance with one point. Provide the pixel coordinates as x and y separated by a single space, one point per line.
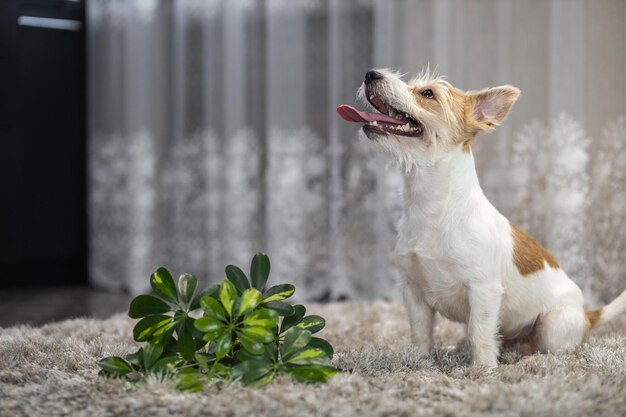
420 121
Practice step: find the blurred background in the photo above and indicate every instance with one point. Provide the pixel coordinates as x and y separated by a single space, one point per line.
195 133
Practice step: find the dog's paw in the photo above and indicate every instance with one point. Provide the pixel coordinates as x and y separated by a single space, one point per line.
486 363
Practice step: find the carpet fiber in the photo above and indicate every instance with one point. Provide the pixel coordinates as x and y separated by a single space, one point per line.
51 371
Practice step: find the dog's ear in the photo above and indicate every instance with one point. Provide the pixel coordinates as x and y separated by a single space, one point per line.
488 108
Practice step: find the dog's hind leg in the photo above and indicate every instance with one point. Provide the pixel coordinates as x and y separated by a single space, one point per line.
562 328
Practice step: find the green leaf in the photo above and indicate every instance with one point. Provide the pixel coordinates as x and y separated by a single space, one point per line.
223 345
211 328
295 318
269 354
151 353
251 371
190 382
163 284
146 327
210 291
171 347
312 373
282 308
197 335
186 286
214 335
250 298
258 334
146 305
265 380
163 335
115 365
203 360
278 292
237 277
228 296
295 339
209 325
136 359
244 355
259 271
312 323
307 356
213 308
221 370
251 345
322 344
165 365
262 317
186 344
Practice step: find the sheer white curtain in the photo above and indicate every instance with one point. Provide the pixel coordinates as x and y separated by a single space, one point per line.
213 134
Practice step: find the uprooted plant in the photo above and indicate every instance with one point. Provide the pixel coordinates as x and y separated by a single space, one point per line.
240 335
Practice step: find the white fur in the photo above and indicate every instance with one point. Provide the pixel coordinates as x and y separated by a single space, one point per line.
456 253
455 250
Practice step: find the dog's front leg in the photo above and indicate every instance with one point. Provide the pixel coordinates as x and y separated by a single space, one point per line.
421 318
482 328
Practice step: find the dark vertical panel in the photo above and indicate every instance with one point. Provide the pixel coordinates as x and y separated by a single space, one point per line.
165 95
317 80
213 99
8 30
10 172
255 58
194 110
317 66
255 103
43 222
213 52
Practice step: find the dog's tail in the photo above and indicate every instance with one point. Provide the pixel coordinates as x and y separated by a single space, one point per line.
608 312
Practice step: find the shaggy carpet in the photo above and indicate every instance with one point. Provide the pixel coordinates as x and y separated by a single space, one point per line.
51 371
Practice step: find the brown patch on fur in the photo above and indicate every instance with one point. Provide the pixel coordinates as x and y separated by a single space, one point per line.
465 114
594 317
461 103
476 120
450 105
529 256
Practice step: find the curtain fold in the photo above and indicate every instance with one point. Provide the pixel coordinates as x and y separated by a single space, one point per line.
213 134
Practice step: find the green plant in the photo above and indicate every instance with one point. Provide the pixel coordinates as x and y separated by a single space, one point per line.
240 335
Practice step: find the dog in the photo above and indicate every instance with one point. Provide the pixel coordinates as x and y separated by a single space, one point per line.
457 254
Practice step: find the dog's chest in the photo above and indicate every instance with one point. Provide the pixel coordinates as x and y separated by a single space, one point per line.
443 288
442 259
439 266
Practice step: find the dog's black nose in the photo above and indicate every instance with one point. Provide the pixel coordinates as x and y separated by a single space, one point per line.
372 75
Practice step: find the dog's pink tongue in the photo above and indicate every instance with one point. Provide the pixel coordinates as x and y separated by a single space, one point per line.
351 114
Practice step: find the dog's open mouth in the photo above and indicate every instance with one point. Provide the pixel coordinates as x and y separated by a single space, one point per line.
388 120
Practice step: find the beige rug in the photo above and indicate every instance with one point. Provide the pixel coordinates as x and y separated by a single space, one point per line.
51 371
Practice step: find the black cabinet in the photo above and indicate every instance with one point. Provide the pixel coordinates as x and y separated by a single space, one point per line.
42 143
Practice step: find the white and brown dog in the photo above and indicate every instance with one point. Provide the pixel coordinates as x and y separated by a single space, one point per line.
458 255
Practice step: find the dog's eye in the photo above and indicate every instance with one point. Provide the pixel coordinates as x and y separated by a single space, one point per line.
427 93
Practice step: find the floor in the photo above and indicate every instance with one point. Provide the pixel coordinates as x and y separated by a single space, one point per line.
43 305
